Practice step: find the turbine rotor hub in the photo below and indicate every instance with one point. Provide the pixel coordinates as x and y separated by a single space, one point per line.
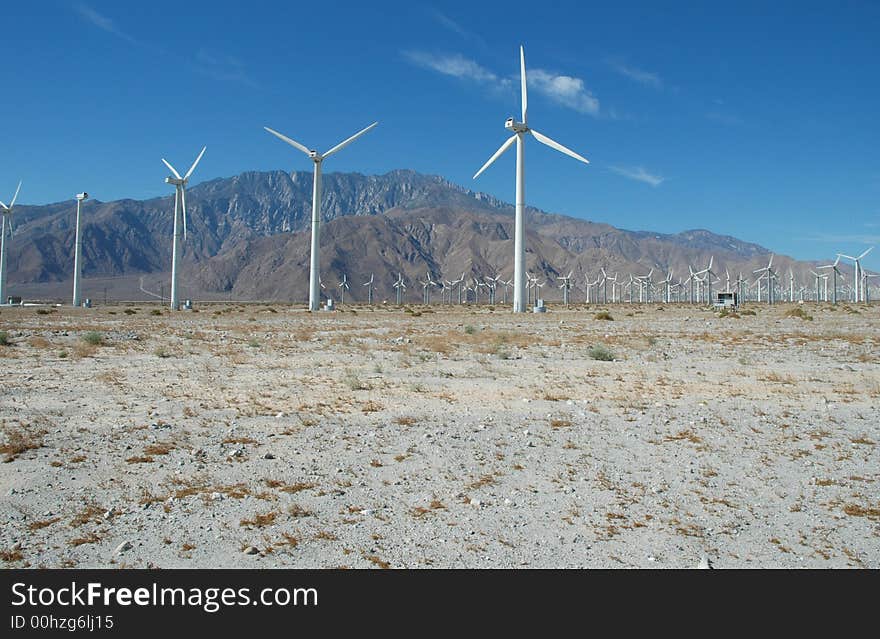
517 127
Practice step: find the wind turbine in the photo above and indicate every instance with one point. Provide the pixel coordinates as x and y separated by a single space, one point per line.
767 272
709 275
317 158
667 282
857 266
77 249
604 284
179 214
369 285
835 273
531 281
519 130
7 222
400 286
565 286
343 286
426 292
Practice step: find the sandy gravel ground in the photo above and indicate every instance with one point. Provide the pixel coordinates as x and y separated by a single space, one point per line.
263 436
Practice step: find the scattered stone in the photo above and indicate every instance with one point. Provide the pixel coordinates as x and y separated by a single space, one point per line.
268 456
123 547
704 564
251 550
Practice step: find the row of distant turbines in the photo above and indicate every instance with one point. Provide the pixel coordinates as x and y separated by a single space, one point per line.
607 289
522 286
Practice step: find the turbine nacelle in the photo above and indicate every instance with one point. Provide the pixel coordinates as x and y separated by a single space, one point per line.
516 127
173 180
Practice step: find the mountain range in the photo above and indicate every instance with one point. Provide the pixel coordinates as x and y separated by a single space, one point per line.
248 238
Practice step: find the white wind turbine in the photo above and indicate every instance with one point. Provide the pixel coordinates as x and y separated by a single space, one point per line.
77 249
343 286
519 129
426 288
858 274
401 287
5 229
565 286
369 285
835 273
179 214
317 158
767 272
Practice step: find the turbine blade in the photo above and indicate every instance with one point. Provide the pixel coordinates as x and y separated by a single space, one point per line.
860 256
193 167
497 155
15 197
173 170
345 143
525 91
543 139
292 143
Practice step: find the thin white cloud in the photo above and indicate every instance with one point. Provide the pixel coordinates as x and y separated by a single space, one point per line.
639 174
564 89
641 76
102 22
457 66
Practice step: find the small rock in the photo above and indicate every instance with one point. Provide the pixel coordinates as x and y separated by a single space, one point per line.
704 564
251 550
121 548
268 456
475 502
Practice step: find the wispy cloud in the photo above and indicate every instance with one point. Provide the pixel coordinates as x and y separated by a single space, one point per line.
565 90
457 66
646 78
639 174
221 67
102 22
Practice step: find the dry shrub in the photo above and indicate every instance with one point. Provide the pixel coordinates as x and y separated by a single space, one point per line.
260 520
39 342
19 440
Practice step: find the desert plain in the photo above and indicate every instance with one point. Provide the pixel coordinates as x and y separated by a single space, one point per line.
260 435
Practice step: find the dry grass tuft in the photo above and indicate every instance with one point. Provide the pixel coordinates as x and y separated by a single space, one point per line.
260 520
20 440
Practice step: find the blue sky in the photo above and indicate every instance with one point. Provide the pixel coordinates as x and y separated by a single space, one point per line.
758 120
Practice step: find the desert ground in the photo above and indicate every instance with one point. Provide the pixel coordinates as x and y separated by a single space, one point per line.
256 435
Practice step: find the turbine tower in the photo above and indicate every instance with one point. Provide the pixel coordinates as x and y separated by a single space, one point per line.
5 228
179 213
317 158
77 249
519 130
